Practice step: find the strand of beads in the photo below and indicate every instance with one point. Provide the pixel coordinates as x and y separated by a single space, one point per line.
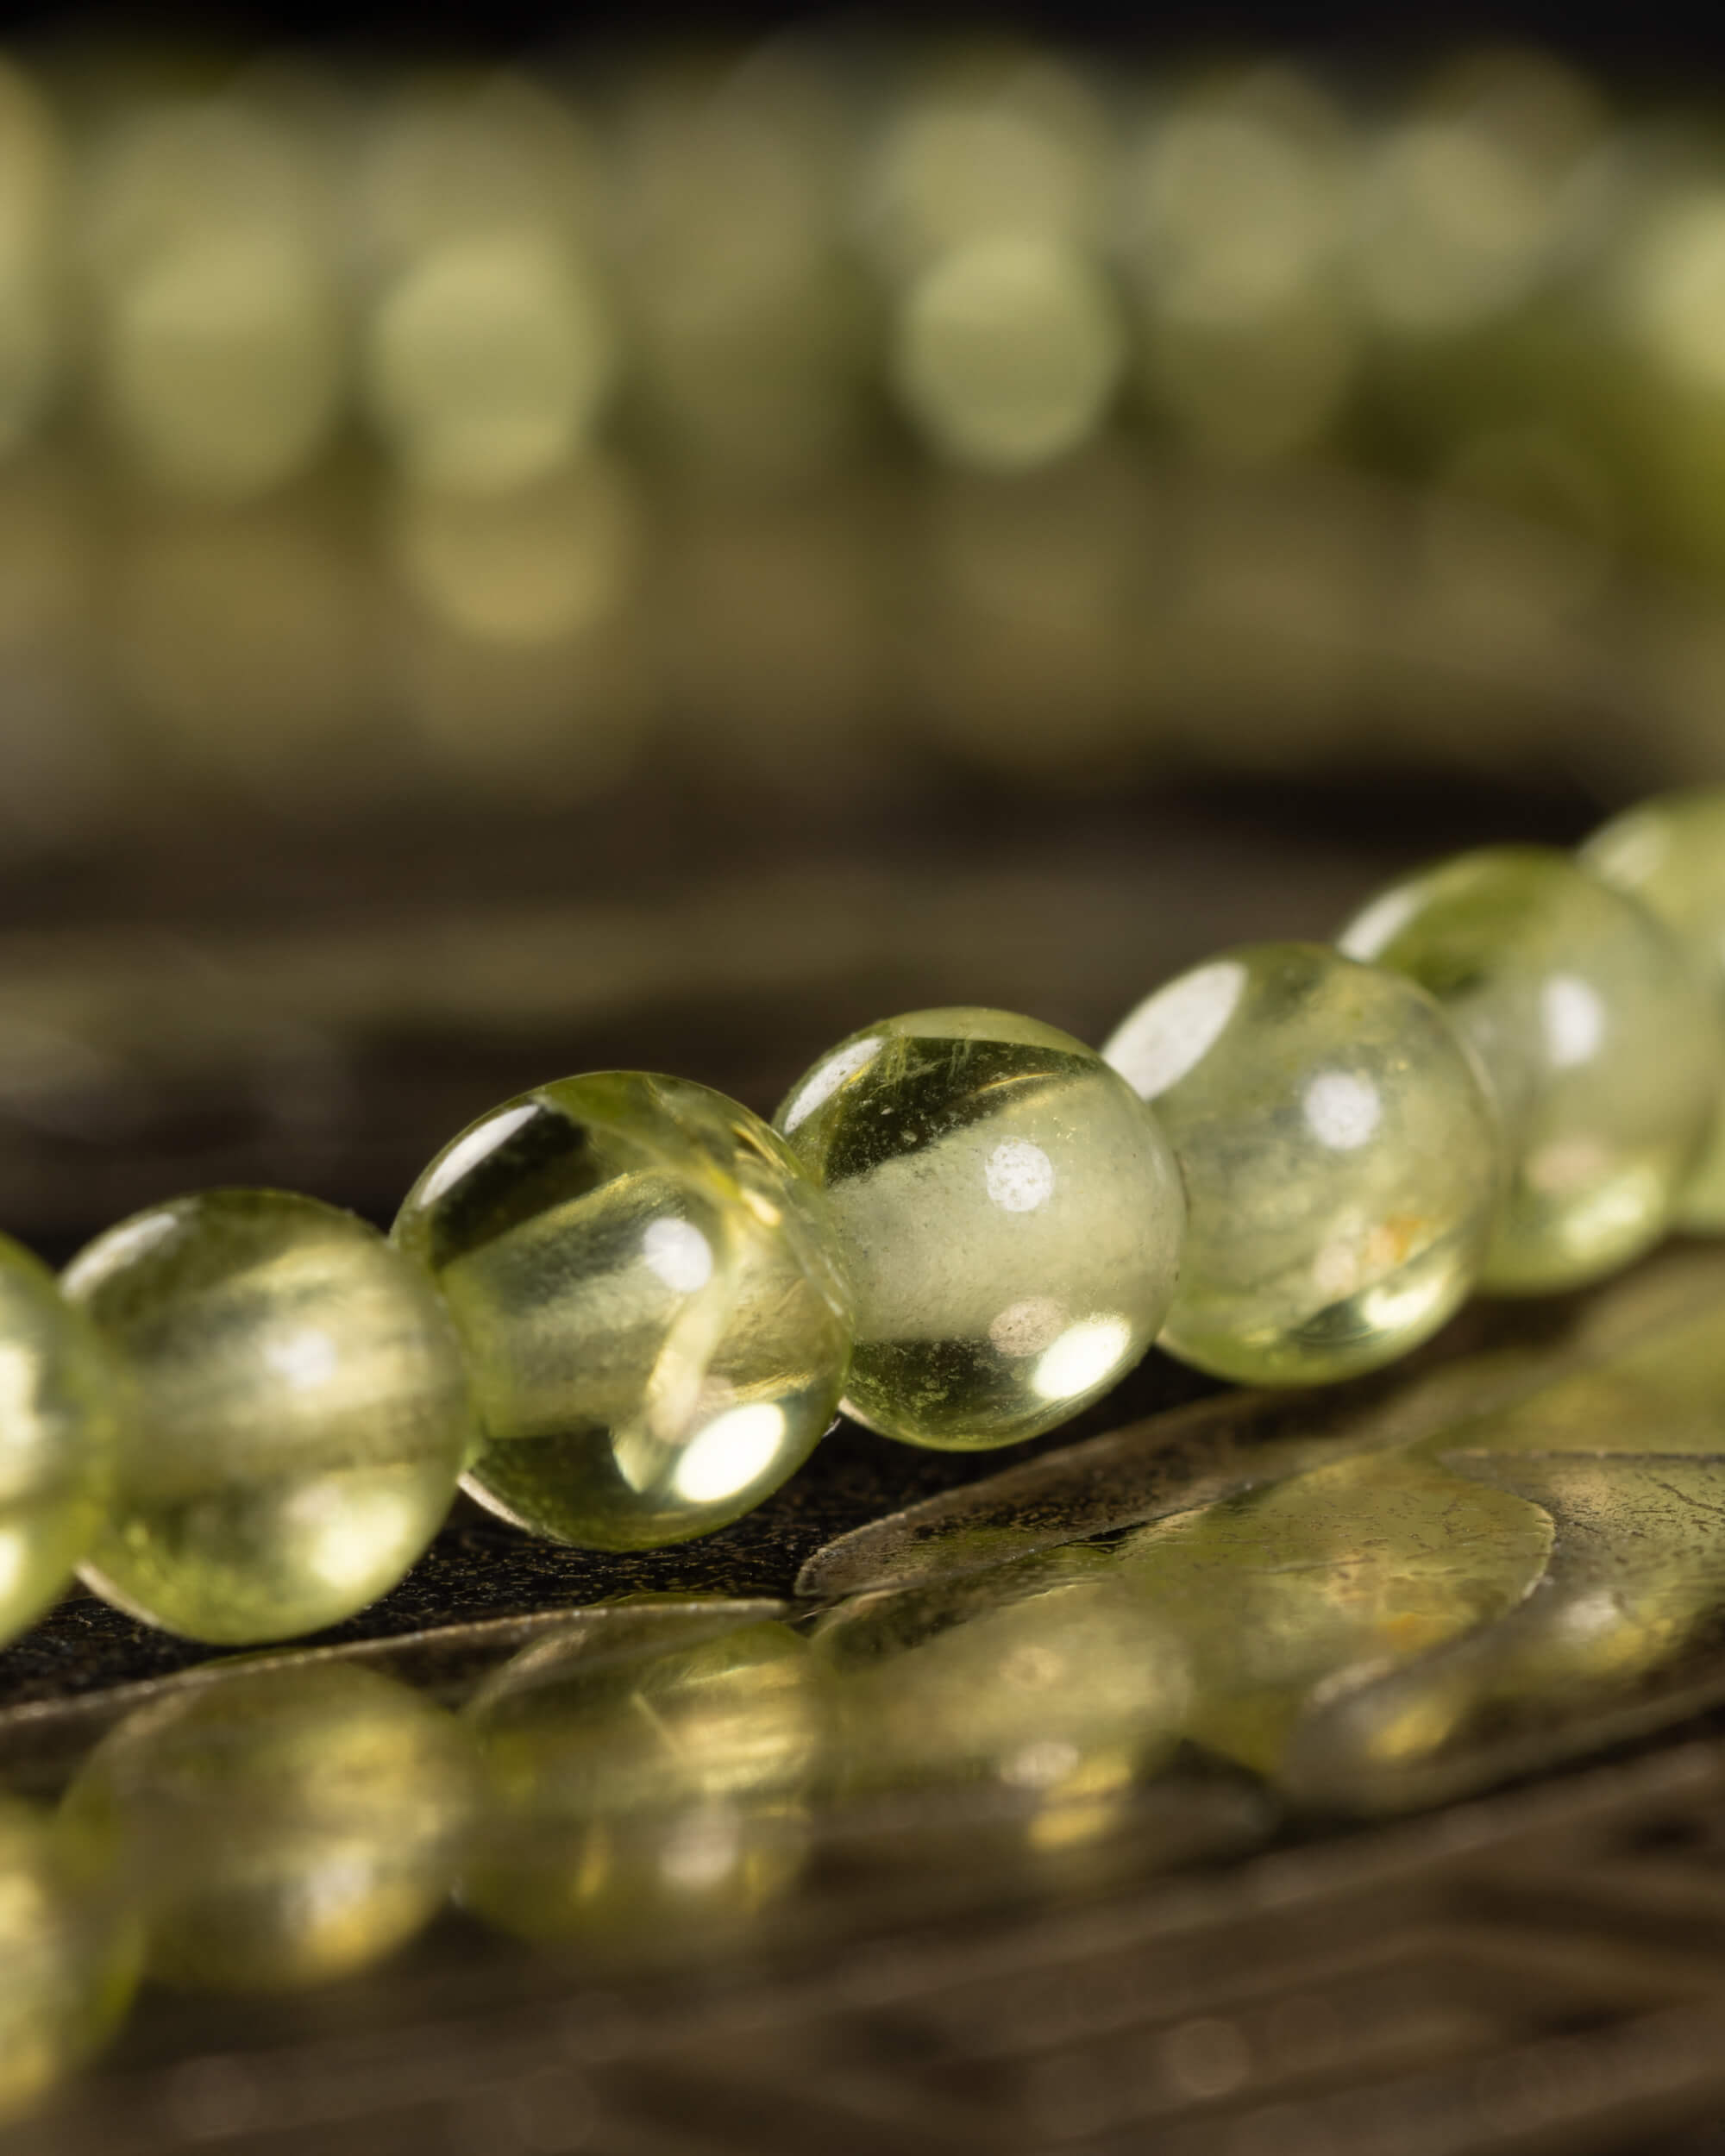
623 1309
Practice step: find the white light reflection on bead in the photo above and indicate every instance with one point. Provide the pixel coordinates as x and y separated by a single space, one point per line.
346 1534
14 1562
1172 1031
1573 1019
1027 1327
823 1083
1083 1356
702 1851
1380 923
475 1145
1020 1175
304 1359
679 1254
1342 1110
117 1248
1393 1305
728 1455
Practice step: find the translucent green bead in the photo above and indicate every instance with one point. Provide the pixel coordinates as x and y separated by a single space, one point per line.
1601 1045
56 1436
296 1413
1341 1159
653 1314
280 1827
1669 854
1009 1213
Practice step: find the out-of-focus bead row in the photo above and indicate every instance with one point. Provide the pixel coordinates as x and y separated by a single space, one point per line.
731 260
626 1309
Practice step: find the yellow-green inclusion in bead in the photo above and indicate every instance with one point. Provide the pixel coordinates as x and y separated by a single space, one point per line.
1009 1213
295 1414
1341 1156
56 1436
280 1827
1669 854
645 1285
1601 1044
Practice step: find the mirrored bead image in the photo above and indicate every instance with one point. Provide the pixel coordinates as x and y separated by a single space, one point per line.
649 1789
1009 1213
280 1827
1601 1045
645 1285
1340 1157
70 1950
1044 1690
296 1413
1364 1563
56 1437
1669 854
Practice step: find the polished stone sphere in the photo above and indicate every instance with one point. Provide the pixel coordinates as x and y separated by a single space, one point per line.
645 1284
1601 1044
1669 854
56 1437
295 1414
1009 1213
1341 1156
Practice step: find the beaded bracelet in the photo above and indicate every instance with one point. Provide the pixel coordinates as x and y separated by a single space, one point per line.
621 1309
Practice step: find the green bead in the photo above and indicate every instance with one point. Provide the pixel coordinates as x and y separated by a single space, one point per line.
1009 1213
56 1437
1601 1045
1341 1156
296 1413
1669 854
280 1827
646 1286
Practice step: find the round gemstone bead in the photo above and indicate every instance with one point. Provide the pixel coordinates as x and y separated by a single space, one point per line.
1669 854
1009 1213
56 1436
296 1413
280 1827
1340 1156
646 1286
1601 1044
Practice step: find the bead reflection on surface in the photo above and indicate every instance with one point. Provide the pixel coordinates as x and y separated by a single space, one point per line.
1365 1562
654 1316
1046 1683
637 1794
297 1414
69 1952
1009 1213
280 1827
56 1437
1603 1049
1669 854
1339 1156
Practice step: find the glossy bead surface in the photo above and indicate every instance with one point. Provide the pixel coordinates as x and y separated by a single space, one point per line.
645 1285
1601 1045
279 1827
1009 1213
1669 854
295 1414
56 1437
1340 1157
